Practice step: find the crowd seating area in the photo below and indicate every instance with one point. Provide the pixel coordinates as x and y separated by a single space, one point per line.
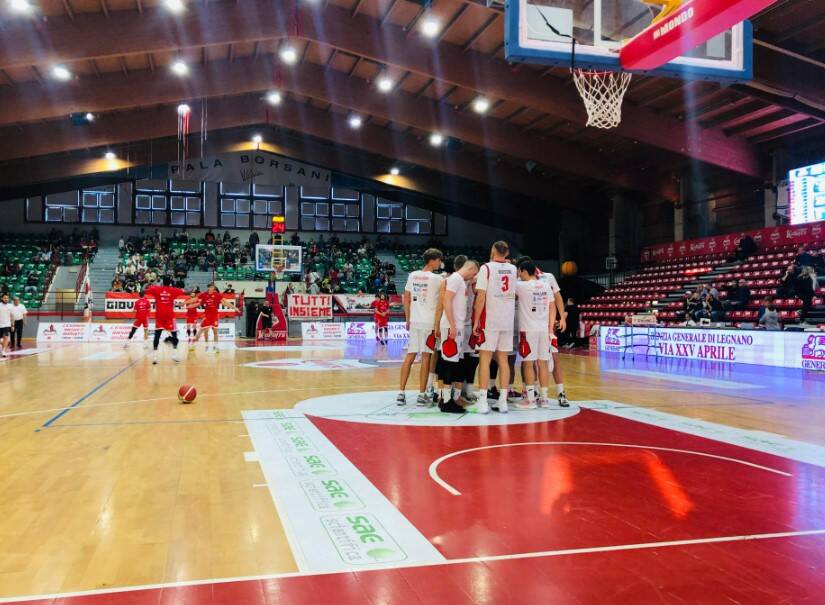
409 258
665 289
28 262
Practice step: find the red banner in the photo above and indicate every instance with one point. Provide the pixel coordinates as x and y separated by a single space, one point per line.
310 306
726 244
120 305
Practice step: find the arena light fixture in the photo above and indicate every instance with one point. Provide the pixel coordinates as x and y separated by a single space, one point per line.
175 6
109 155
183 109
62 73
90 117
21 7
257 139
274 97
355 121
384 84
436 139
395 171
481 104
288 54
179 68
430 26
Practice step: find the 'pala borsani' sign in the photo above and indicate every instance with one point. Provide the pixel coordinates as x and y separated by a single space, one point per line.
246 167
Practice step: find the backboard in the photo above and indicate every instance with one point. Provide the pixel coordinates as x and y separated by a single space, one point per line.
541 31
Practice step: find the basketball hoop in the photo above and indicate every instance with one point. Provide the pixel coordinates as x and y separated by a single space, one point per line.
602 93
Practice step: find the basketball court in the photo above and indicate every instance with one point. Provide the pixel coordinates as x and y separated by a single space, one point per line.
271 486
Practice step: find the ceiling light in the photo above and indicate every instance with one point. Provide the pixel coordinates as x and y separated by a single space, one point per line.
436 139
61 73
109 155
395 171
175 6
481 104
21 7
430 26
90 117
384 84
179 68
355 121
274 98
288 54
257 139
183 109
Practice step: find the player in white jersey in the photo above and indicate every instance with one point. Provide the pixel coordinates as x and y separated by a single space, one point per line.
550 279
537 316
420 301
452 326
493 317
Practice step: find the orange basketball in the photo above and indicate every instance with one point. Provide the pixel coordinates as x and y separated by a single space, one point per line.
569 268
187 393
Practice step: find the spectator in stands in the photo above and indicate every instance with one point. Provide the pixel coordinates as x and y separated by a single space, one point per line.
227 237
253 240
391 289
745 248
180 268
295 240
4 289
31 283
209 237
184 235
229 289
314 288
211 261
333 275
787 283
288 291
711 309
738 296
804 258
768 317
693 304
117 285
806 284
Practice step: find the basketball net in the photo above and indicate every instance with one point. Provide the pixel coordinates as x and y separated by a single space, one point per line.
602 93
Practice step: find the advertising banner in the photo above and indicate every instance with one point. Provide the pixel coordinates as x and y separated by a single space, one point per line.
121 305
310 306
361 304
262 167
323 330
726 244
784 349
107 332
365 330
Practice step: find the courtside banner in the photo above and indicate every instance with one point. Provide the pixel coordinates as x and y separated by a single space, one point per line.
310 306
62 332
804 350
361 304
365 330
323 330
121 305
107 332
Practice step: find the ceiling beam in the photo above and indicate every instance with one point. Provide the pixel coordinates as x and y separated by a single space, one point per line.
142 88
360 35
121 129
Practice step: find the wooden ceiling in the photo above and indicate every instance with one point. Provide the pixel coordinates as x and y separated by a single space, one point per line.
119 53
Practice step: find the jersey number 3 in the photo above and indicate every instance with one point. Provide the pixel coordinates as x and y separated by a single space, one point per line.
505 283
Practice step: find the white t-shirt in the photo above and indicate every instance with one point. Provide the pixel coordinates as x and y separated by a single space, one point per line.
534 300
456 285
498 280
18 312
5 315
550 280
423 287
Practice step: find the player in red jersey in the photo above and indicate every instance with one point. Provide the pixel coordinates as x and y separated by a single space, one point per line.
191 305
143 306
211 301
381 314
165 296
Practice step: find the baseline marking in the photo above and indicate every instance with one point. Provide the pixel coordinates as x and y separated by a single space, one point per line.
482 559
435 476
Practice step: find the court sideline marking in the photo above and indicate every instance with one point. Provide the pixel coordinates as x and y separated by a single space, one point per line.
466 560
69 408
433 470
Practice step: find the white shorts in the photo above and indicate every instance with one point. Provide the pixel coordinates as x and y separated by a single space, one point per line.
539 346
418 340
497 340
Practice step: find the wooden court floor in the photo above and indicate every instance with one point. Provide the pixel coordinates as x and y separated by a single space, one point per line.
107 481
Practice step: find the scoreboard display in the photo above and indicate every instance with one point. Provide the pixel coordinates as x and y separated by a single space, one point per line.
806 192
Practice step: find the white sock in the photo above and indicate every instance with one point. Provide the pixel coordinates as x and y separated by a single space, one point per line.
543 392
482 398
560 388
446 394
430 381
531 393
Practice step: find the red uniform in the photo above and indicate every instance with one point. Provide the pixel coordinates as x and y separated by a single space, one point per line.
164 305
380 306
211 302
192 315
143 307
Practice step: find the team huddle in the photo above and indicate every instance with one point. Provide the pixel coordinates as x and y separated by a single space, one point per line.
476 319
196 327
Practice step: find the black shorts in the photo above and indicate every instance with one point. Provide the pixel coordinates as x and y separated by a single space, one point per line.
469 365
5 331
448 371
